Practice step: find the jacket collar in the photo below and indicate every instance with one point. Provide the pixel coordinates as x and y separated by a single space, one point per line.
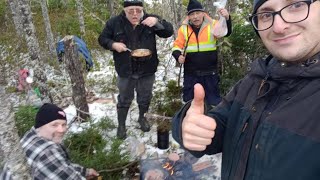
282 71
207 20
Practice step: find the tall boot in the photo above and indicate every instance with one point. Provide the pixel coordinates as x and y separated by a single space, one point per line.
122 116
144 125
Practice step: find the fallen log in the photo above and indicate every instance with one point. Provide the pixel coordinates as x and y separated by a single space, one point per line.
156 117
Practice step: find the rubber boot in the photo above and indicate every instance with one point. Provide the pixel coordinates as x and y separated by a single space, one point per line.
122 116
144 125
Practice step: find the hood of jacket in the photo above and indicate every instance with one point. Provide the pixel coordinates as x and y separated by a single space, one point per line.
283 71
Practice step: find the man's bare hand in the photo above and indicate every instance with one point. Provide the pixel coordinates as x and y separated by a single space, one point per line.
92 173
181 59
119 47
223 12
197 128
150 21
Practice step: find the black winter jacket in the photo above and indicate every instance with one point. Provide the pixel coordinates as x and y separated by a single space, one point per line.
119 29
268 126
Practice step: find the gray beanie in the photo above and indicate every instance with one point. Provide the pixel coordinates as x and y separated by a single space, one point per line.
257 4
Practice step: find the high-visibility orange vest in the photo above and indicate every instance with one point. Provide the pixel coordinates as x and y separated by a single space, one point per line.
205 41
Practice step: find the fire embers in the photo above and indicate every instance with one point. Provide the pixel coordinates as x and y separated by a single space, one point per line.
176 167
169 167
170 162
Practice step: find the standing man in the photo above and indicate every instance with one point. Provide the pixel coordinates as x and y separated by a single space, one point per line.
196 48
267 127
45 153
134 29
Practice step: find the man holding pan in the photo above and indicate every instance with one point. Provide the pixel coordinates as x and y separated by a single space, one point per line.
195 48
123 34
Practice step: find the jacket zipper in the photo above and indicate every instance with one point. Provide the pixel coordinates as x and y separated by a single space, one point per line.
198 44
243 130
264 80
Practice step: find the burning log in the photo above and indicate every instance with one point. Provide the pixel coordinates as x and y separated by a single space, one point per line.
202 165
174 167
154 174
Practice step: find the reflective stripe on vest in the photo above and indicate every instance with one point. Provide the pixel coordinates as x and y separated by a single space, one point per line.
206 42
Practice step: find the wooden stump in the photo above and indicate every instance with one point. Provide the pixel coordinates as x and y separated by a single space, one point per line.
75 71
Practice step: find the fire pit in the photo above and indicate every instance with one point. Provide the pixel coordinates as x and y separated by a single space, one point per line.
175 168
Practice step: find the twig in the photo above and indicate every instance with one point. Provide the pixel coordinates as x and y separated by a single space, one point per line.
82 111
152 117
93 15
119 168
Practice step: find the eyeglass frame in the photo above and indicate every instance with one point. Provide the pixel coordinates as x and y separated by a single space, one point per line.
279 13
134 11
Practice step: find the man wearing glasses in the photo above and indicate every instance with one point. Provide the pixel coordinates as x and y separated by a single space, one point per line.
267 127
134 29
196 49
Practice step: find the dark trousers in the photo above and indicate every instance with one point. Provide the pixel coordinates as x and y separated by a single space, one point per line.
142 85
210 84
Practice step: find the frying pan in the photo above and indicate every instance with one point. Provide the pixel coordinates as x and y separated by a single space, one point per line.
140 53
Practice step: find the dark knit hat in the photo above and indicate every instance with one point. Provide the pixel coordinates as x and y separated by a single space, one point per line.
193 6
257 4
48 113
127 3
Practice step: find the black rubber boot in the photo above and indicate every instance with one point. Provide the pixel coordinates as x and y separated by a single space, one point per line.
144 125
122 116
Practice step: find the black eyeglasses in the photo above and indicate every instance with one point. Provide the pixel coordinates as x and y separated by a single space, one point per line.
292 13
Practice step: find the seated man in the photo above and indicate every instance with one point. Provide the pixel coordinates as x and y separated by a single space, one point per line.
45 153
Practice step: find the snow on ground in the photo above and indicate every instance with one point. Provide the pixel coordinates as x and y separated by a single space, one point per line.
107 108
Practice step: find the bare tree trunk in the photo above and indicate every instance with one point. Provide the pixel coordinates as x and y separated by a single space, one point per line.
179 10
16 16
208 5
13 155
64 2
3 74
34 50
94 3
175 13
45 15
75 70
231 6
81 18
110 5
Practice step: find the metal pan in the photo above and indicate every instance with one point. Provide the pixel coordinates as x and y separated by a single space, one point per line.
140 53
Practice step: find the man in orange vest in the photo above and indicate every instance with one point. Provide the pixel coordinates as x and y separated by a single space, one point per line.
195 48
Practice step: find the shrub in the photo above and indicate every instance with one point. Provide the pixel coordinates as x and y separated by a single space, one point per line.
88 148
168 102
24 118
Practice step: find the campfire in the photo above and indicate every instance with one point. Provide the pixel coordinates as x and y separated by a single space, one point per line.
175 167
169 167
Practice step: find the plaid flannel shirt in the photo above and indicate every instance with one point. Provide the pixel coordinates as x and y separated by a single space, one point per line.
5 174
49 160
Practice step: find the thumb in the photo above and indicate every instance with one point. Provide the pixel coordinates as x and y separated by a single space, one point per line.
197 103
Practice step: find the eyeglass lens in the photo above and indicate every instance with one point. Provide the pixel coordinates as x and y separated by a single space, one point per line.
292 13
133 11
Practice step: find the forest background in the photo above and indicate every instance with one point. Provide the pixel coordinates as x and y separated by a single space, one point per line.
30 30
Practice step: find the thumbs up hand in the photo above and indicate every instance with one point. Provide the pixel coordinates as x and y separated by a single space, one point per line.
197 128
